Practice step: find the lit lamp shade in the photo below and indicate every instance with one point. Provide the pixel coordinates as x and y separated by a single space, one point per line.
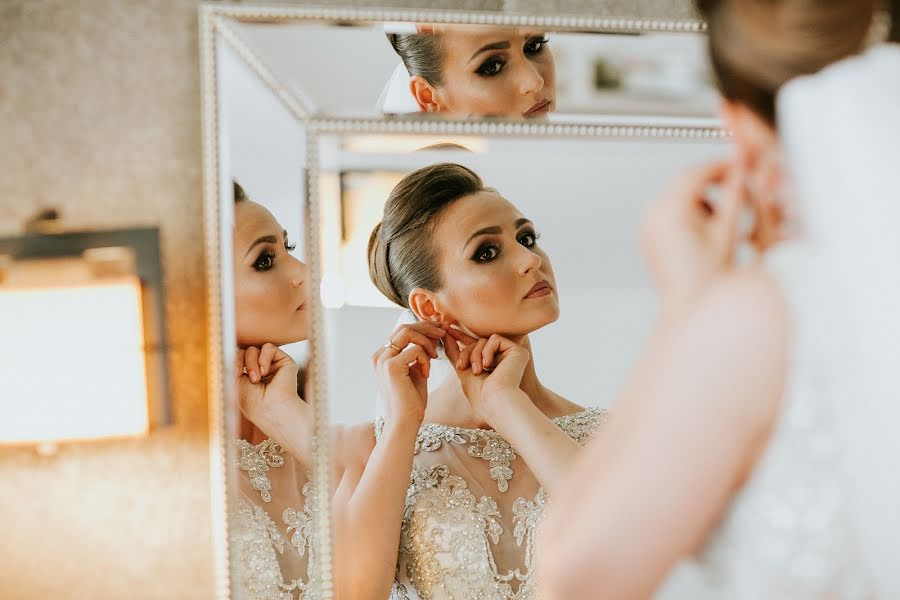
72 363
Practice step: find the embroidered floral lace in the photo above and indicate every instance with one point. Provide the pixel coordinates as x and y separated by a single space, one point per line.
471 512
271 531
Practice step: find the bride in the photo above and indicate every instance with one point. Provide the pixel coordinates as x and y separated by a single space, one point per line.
467 70
495 441
271 531
747 459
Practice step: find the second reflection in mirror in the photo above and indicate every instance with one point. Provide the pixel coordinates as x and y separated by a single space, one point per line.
472 71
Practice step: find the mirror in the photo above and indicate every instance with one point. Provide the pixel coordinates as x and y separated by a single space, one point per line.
473 499
266 297
406 70
310 122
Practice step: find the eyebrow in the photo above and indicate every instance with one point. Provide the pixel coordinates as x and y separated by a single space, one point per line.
494 46
495 229
266 239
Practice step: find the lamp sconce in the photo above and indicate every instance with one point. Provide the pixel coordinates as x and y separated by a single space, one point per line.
82 341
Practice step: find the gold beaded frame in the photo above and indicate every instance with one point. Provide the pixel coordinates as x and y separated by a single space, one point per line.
215 20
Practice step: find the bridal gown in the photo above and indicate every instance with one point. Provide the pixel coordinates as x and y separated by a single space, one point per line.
818 516
272 525
471 510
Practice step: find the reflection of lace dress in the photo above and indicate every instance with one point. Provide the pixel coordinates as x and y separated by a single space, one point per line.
270 538
471 510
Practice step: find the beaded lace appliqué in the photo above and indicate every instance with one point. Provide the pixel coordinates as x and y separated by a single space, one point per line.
257 537
448 534
256 461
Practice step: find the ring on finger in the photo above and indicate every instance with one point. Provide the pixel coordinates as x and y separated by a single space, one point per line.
390 344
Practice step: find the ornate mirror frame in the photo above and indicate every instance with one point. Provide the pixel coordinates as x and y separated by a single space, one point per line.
215 20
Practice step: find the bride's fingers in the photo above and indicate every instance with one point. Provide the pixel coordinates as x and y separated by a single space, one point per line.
477 365
734 200
451 349
413 354
462 336
496 344
424 327
266 354
465 357
251 362
410 336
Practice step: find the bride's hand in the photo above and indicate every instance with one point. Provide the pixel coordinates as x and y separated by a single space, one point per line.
267 390
689 241
402 368
488 369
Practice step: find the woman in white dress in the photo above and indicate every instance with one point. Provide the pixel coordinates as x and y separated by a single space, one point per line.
462 519
731 470
494 441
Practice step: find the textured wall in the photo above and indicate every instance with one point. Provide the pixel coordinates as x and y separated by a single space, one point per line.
99 116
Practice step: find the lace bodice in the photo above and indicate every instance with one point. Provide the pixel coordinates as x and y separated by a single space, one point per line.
788 533
272 524
471 511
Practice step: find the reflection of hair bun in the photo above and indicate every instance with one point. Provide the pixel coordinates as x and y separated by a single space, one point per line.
401 257
421 54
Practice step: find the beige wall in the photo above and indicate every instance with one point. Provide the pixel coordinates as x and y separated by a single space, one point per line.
99 117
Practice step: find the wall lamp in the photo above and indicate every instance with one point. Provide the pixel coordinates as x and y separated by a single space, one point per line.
82 338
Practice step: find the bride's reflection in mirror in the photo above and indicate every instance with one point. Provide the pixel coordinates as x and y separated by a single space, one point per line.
494 439
473 71
271 535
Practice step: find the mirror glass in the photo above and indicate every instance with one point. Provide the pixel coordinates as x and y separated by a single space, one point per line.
266 291
474 498
555 254
405 70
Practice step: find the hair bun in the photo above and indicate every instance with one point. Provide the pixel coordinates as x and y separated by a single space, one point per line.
379 265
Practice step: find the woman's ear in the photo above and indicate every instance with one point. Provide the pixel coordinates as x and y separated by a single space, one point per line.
426 306
752 136
424 94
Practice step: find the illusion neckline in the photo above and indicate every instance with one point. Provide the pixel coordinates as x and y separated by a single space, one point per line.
557 420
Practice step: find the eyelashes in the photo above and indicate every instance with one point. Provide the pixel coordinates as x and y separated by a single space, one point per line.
266 259
494 65
489 251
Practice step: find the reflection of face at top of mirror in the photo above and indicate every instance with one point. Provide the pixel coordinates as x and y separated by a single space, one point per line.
413 70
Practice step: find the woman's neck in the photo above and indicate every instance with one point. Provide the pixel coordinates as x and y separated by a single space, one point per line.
448 404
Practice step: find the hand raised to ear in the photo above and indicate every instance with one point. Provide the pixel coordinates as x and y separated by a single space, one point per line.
488 368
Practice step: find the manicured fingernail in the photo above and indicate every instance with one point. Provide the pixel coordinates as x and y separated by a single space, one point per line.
263 370
254 377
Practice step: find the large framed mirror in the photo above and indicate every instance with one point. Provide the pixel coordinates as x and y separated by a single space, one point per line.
313 119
